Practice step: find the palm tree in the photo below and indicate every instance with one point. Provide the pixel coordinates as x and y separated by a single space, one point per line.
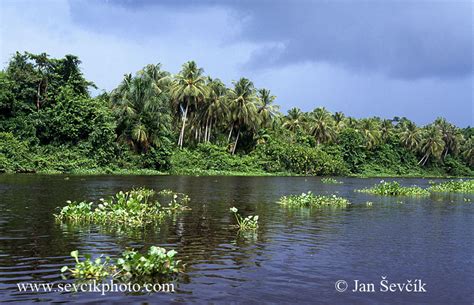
339 119
322 126
410 137
370 130
215 108
468 151
452 137
266 109
243 107
294 120
386 129
188 90
142 111
432 144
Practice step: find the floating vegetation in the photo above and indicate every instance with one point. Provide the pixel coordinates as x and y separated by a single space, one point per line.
247 223
454 186
395 189
310 200
88 268
330 181
157 262
137 207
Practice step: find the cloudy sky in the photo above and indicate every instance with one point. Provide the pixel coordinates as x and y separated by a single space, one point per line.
365 58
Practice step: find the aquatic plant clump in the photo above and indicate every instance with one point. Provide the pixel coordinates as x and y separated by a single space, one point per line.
395 189
248 223
454 186
330 181
136 207
157 262
309 200
88 268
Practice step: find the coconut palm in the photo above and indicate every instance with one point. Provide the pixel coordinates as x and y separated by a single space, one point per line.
266 109
322 126
243 108
188 90
410 137
339 120
142 112
452 137
432 144
294 120
468 151
370 130
386 129
215 108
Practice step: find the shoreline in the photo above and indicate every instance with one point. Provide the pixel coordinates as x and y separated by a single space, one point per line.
217 173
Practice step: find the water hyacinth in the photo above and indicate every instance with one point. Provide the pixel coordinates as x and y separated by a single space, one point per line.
454 186
88 268
309 200
330 181
395 189
157 262
248 223
133 208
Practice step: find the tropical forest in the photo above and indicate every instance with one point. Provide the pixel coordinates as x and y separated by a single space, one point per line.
191 123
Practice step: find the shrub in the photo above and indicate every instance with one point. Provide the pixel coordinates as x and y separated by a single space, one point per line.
14 154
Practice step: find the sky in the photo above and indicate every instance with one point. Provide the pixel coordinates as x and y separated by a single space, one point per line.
365 58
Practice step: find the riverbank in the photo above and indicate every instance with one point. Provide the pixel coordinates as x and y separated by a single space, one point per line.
200 172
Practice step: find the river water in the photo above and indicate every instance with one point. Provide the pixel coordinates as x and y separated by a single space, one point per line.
296 256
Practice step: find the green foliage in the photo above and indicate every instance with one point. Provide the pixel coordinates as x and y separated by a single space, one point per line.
58 127
210 157
14 154
309 200
454 186
282 156
352 148
133 208
395 189
245 224
157 261
88 268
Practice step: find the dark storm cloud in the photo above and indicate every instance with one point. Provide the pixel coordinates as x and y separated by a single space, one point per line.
400 39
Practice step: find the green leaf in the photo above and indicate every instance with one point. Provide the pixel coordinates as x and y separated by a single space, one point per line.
64 269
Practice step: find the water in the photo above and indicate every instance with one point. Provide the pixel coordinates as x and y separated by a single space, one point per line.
295 257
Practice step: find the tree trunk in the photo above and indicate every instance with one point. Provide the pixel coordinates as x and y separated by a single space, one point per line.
424 159
38 94
185 117
230 133
206 130
236 140
209 134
